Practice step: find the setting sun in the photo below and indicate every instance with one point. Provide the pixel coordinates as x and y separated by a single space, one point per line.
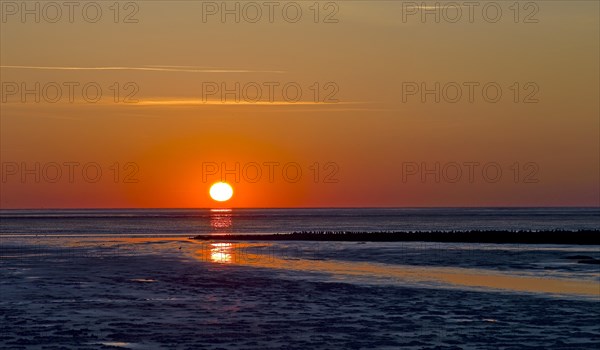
322 174
221 191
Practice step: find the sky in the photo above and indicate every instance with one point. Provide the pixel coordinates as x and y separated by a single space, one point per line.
335 107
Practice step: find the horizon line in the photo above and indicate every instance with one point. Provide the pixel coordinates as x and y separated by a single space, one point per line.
320 207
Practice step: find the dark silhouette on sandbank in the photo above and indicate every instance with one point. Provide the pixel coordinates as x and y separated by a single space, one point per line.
584 237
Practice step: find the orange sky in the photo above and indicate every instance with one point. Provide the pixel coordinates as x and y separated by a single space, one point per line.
356 145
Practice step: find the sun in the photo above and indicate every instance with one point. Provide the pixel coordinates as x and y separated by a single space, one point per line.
221 191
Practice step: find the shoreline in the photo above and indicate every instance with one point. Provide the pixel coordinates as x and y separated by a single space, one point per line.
152 295
581 237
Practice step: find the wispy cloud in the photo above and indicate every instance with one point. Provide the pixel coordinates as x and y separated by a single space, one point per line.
200 102
184 69
438 6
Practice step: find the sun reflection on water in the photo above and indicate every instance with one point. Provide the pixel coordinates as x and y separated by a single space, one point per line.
220 218
220 252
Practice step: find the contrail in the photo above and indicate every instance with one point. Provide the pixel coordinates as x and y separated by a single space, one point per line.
184 69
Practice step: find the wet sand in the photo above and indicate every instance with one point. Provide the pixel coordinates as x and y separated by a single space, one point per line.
176 293
398 274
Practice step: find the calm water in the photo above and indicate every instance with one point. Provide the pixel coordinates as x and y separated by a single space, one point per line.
82 287
203 221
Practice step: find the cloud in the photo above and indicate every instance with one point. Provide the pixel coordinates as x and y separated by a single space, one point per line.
184 69
200 102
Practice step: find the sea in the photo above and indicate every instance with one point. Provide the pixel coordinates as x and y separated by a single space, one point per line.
180 222
133 279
